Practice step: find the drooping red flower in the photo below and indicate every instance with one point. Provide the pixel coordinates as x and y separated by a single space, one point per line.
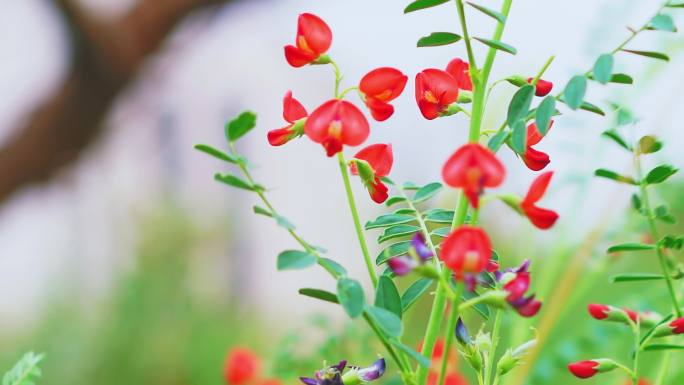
542 87
466 250
535 160
379 87
460 71
472 168
336 123
241 366
584 369
293 111
435 91
541 218
314 37
379 156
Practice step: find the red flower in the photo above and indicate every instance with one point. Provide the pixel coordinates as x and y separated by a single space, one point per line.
517 287
584 369
380 86
270 381
449 379
313 40
542 218
435 91
542 88
472 168
598 311
466 250
379 157
535 160
336 123
677 326
460 71
241 366
292 112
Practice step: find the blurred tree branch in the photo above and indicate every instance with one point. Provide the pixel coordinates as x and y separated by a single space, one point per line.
105 58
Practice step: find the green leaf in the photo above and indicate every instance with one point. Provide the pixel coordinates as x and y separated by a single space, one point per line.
497 140
439 216
519 137
419 358
215 153
414 292
405 211
480 308
388 322
319 294
329 264
662 213
603 173
295 259
671 242
394 200
636 202
284 223
498 45
675 5
615 136
239 126
636 277
543 115
262 211
422 4
520 104
662 22
649 144
586 106
393 250
389 220
491 13
630 247
574 91
660 347
350 295
660 174
442 231
621 79
365 171
651 54
25 371
397 232
410 186
426 192
235 181
387 296
603 68
438 39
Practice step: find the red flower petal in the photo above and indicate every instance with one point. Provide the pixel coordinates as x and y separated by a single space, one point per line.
583 369
677 326
541 218
241 366
336 123
466 250
384 84
460 71
598 311
279 136
297 57
535 160
517 287
543 87
538 188
530 309
313 34
472 168
435 90
380 110
378 191
293 110
379 156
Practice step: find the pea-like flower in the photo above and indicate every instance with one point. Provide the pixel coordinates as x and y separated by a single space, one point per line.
466 251
241 366
472 168
589 368
336 123
517 288
670 328
294 113
540 217
379 87
460 71
534 159
435 91
313 40
418 254
542 88
336 375
379 157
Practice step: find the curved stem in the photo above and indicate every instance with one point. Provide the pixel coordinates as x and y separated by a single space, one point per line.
489 367
450 334
357 222
338 79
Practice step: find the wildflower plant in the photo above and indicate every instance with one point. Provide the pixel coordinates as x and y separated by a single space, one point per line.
446 248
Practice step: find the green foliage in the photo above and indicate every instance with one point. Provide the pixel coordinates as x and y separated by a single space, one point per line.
295 259
239 126
387 296
630 247
319 294
489 12
438 39
608 174
398 231
419 358
216 153
650 54
350 295
520 105
498 45
519 137
636 277
649 144
617 138
386 220
388 322
237 182
414 292
25 371
497 140
574 92
426 192
422 4
543 114
662 22
393 250
603 68
660 174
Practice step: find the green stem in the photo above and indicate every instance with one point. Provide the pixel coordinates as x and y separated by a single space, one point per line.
385 343
357 222
338 79
636 329
450 334
654 234
664 369
466 35
543 69
489 366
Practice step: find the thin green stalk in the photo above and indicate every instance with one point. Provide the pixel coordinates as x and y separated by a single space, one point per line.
637 349
489 366
338 79
466 35
450 334
357 222
543 69
643 188
664 369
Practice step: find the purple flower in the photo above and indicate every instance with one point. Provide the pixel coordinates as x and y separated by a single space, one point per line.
418 254
402 265
373 372
333 375
421 248
462 333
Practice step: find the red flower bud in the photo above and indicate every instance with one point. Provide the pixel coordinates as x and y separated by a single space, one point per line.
241 366
435 91
379 157
466 250
598 311
542 218
543 87
293 111
336 123
380 86
313 40
584 369
460 71
472 168
535 160
677 326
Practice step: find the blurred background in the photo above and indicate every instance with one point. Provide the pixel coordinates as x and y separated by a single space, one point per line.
124 261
